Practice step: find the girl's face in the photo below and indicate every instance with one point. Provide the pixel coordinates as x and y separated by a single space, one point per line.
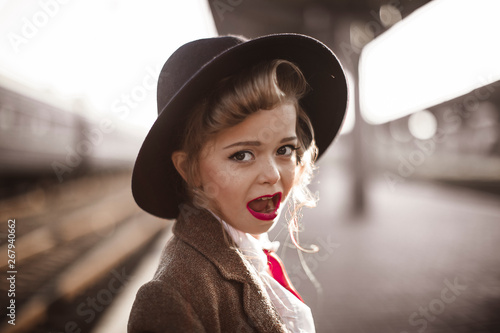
249 169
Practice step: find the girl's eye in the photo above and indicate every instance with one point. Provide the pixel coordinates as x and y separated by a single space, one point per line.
242 156
286 150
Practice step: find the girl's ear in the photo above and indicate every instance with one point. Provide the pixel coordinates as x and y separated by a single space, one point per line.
179 160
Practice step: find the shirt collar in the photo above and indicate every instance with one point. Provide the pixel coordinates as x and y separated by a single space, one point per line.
250 246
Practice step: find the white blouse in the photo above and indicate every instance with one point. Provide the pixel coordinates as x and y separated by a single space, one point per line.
295 314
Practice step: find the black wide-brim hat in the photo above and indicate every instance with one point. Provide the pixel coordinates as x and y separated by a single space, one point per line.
190 73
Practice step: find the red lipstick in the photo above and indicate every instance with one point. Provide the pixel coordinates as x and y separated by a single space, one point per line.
265 207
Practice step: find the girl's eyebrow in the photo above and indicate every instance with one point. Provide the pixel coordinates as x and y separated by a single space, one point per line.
258 143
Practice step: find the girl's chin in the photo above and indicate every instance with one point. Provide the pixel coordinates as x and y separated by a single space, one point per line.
258 227
269 224
253 225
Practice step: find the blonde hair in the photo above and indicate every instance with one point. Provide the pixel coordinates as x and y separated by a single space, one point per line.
263 86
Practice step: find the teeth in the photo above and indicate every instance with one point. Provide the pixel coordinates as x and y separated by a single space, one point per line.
266 198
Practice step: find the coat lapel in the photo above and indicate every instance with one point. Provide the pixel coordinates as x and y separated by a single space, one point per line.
201 230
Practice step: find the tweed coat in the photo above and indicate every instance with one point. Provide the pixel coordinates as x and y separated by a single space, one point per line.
202 285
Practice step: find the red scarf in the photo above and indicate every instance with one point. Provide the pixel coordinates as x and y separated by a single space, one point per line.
278 272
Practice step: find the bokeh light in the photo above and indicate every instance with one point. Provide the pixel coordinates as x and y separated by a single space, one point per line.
422 125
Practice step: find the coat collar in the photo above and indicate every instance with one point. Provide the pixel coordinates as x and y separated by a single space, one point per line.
201 230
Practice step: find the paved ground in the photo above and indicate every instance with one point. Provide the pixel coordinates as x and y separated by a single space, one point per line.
424 258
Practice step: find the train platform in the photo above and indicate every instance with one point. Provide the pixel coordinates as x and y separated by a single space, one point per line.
115 318
424 257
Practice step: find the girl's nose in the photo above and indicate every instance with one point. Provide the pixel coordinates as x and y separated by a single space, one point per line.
269 173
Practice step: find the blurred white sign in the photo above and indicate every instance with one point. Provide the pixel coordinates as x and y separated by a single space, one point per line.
443 50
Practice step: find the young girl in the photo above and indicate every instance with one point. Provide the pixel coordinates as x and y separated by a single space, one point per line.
240 125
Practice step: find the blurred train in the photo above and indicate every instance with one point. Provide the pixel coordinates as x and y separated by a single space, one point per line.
38 136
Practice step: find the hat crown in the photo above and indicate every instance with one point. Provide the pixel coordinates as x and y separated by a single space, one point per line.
186 61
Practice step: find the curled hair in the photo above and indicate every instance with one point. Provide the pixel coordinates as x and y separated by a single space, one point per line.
261 87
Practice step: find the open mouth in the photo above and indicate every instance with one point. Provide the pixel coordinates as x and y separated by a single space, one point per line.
265 207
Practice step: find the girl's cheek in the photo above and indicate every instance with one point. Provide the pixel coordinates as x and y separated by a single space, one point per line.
219 173
211 190
228 174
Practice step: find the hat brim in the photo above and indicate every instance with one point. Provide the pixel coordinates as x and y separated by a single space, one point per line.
157 186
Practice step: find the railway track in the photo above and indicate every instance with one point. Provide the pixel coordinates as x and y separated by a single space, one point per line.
68 237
